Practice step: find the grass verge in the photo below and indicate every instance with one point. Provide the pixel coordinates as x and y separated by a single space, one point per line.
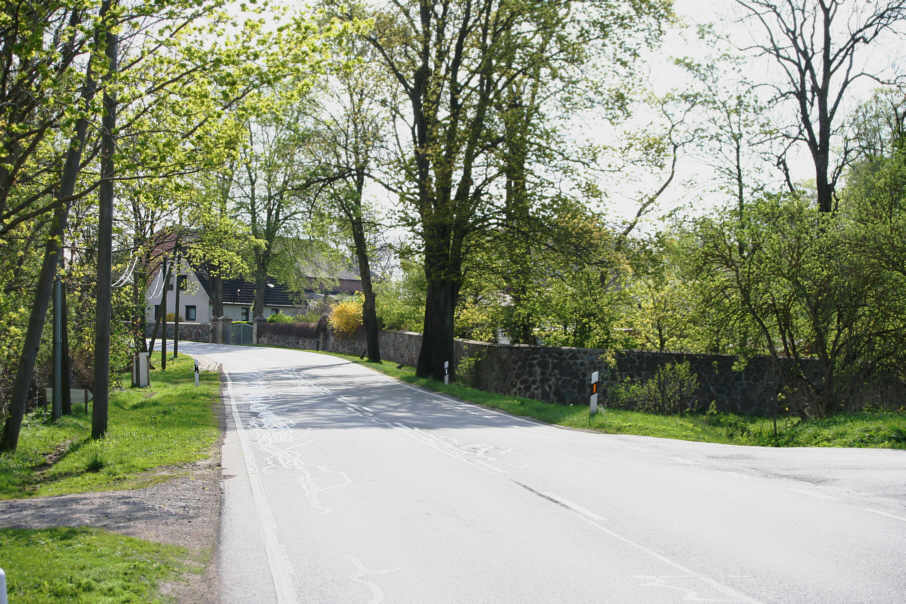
867 429
168 424
88 565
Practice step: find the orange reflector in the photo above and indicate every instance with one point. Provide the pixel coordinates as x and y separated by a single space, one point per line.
594 388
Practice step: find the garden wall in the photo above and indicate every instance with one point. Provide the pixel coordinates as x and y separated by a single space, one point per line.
192 332
561 375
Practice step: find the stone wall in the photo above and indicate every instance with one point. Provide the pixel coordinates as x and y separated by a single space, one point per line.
561 375
191 332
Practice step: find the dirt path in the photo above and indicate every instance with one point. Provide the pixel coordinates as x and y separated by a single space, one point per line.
183 511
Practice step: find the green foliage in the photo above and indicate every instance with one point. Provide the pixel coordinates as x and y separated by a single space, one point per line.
670 390
401 301
467 368
792 282
170 423
89 565
879 429
281 318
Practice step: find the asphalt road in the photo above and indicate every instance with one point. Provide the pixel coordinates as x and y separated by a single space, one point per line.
343 485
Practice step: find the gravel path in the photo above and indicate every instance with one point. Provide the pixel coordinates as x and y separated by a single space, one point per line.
182 511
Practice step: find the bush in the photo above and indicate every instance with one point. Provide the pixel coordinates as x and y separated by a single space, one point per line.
346 317
280 318
671 390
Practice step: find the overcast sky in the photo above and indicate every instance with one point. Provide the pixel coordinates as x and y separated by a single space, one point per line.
694 189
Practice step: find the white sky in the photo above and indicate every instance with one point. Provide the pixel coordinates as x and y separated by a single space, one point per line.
694 189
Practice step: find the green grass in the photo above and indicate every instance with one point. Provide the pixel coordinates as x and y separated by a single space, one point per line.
867 429
85 565
168 424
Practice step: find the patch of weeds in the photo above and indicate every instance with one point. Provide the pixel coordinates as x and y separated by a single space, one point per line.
89 565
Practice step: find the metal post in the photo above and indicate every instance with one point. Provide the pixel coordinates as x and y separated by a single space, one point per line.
196 373
446 372
163 318
57 350
593 399
176 307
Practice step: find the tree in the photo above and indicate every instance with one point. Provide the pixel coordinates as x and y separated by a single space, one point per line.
275 188
825 314
816 45
53 246
351 132
453 61
735 137
103 315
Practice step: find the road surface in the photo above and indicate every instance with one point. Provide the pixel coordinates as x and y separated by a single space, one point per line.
343 485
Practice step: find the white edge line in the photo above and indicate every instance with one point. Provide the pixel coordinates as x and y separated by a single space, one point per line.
278 563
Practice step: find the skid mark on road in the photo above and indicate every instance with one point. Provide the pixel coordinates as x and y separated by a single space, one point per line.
278 440
362 576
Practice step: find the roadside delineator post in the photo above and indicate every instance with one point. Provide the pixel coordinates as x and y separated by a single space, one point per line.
196 373
446 372
593 399
2 587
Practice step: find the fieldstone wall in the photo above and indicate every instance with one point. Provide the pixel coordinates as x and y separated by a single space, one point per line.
191 332
397 346
562 375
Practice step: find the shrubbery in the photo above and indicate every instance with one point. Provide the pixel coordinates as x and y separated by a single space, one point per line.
346 317
671 390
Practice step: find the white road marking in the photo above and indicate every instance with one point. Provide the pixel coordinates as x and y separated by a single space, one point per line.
669 582
278 562
815 495
880 513
597 522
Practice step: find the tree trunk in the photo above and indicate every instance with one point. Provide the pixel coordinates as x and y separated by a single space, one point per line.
369 311
26 368
25 371
437 338
217 302
260 284
104 314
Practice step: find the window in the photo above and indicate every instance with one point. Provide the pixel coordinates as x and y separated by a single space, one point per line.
181 281
190 312
245 313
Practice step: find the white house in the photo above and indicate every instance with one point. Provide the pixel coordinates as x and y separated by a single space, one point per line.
196 291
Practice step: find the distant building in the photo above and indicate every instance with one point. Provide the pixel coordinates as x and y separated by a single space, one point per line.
197 291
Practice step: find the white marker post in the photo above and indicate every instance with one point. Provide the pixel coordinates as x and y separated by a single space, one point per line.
196 373
446 372
593 400
2 587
